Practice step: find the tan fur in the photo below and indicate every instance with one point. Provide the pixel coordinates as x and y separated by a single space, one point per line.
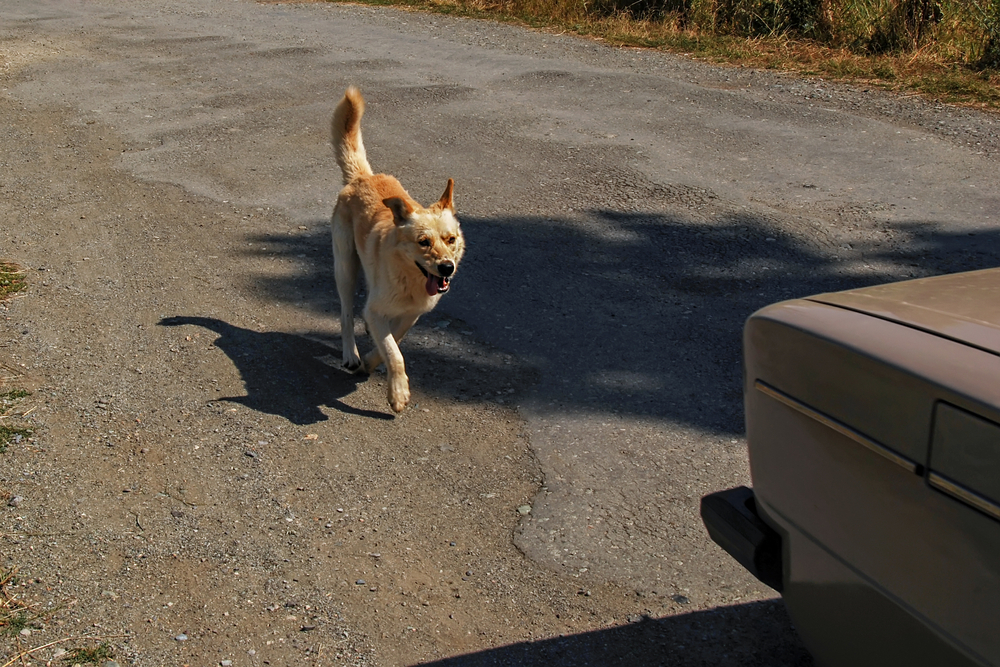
380 229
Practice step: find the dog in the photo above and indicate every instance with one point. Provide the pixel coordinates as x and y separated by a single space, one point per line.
409 254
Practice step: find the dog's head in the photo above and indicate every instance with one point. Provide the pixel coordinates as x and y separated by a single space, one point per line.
431 237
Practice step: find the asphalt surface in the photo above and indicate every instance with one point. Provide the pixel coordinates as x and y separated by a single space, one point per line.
625 211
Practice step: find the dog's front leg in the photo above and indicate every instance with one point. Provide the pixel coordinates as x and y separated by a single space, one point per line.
399 385
400 325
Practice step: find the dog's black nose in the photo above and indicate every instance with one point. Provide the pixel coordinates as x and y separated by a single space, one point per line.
446 268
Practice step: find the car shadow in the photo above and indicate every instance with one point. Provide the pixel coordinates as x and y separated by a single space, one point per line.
746 635
284 374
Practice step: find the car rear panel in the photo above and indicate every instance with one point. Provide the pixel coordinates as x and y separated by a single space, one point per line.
872 418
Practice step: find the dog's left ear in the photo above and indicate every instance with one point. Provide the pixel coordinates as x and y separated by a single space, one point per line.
446 202
400 209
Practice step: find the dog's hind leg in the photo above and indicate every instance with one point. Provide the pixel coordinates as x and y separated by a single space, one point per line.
346 267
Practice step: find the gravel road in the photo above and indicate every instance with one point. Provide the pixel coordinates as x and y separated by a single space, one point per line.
205 485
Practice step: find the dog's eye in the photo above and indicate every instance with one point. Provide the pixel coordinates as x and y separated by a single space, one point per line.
451 240
424 243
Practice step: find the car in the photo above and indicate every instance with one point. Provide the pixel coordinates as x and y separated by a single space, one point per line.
873 431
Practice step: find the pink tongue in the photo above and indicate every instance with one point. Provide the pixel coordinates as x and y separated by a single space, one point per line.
432 286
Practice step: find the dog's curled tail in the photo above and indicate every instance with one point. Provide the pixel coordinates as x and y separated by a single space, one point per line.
346 136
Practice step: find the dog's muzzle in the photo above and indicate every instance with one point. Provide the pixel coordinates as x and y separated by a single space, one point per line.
438 284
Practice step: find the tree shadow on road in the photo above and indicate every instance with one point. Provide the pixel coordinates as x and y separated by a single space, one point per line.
642 313
746 635
284 374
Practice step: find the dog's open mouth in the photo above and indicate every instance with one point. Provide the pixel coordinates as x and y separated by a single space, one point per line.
435 284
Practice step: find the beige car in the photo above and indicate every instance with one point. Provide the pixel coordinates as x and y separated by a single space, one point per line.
873 422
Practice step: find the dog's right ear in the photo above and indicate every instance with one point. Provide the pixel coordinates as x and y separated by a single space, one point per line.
401 210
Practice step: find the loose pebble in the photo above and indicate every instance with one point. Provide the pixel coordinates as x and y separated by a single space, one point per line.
226 663
15 501
181 638
524 510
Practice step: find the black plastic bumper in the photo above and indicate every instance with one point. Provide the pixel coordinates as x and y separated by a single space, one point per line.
732 522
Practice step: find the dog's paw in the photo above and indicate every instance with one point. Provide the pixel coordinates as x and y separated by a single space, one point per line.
399 395
352 363
357 368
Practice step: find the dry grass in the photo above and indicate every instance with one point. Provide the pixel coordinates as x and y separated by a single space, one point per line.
948 50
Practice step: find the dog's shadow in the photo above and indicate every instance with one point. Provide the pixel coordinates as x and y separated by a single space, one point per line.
284 374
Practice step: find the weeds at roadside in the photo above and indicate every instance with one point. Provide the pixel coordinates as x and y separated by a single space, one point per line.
10 434
948 50
85 656
16 615
11 279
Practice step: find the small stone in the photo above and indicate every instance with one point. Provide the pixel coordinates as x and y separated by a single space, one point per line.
680 599
307 628
360 582
181 638
451 544
26 632
524 510
15 501
111 663
226 663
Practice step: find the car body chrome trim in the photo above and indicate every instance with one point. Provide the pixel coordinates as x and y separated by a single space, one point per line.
837 426
967 496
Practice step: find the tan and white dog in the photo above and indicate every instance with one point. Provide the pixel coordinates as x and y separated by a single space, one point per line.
409 253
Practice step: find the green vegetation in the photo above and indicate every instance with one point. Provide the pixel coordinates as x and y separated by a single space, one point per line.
944 49
96 655
10 434
11 279
13 395
15 616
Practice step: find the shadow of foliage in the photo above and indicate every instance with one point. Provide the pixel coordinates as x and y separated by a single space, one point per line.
640 313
